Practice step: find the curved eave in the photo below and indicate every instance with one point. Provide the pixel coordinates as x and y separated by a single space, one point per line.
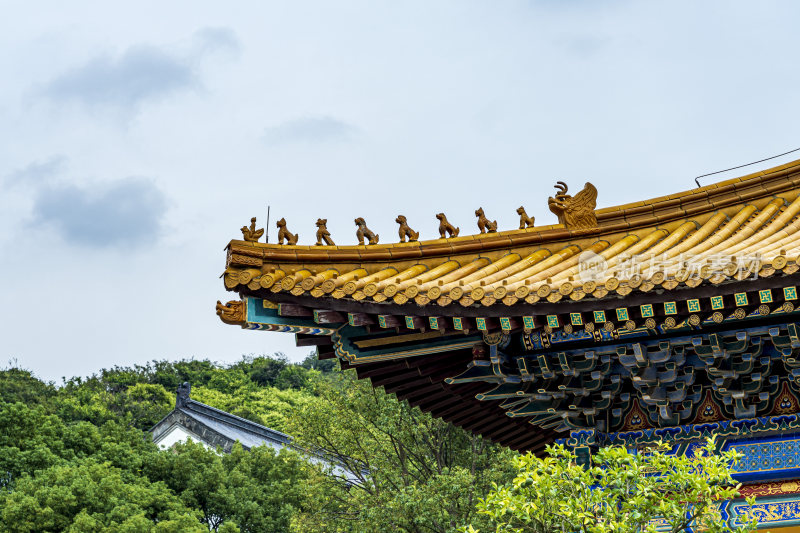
754 188
733 223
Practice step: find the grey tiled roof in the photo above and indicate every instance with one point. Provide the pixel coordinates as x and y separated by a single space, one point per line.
248 433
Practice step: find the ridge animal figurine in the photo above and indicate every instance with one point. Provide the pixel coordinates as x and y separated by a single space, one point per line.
405 230
524 220
484 224
322 232
446 227
284 233
575 212
364 231
252 234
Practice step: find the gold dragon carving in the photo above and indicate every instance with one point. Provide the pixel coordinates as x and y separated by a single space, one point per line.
575 212
232 312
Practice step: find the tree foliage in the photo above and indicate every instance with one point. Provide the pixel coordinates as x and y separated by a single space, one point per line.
412 473
77 457
621 492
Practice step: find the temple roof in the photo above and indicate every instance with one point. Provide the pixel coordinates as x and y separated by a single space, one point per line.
639 317
711 234
226 427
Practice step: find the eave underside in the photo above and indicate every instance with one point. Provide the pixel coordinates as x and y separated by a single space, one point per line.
420 382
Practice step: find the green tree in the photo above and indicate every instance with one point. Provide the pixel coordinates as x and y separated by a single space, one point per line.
90 496
54 453
312 362
18 385
257 490
621 492
409 471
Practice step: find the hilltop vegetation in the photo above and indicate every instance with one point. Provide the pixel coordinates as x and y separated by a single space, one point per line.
77 457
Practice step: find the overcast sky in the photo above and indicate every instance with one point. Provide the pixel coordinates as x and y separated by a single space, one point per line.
135 141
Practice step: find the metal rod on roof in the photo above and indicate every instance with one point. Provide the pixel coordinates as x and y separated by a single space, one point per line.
267 226
696 180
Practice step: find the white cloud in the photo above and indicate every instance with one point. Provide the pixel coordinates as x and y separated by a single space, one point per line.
309 130
127 212
141 73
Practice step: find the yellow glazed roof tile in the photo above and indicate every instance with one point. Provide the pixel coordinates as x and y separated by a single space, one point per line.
649 246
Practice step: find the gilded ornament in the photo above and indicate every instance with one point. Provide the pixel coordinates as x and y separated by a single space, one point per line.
524 220
364 232
543 291
268 280
446 228
694 281
494 339
575 212
232 312
231 279
252 234
284 233
322 232
405 231
484 224
600 292
248 274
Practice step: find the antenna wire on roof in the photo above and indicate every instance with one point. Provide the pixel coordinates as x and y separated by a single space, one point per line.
696 180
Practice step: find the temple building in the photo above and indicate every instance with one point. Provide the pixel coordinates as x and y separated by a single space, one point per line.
219 430
212 427
667 319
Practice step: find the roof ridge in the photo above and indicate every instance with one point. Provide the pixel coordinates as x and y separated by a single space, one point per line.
241 423
753 188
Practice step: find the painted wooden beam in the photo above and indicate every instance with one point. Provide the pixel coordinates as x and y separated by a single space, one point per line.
360 319
322 316
294 310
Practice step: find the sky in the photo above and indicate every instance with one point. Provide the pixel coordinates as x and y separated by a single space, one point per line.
136 139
